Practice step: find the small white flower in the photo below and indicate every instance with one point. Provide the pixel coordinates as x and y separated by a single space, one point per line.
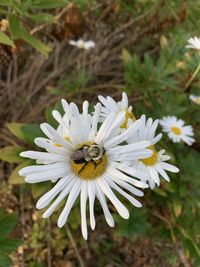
88 161
195 99
82 44
154 166
194 43
111 106
177 130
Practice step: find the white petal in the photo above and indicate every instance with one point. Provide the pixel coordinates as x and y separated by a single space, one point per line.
134 201
169 167
47 175
41 168
115 173
102 200
49 196
124 136
54 136
91 195
127 186
162 172
95 120
154 175
62 195
84 195
122 210
70 202
50 157
130 147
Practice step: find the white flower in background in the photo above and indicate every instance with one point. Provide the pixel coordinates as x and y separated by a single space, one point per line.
154 166
82 44
177 130
194 43
195 99
87 161
111 106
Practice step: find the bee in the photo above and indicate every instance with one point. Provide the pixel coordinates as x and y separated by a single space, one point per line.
88 153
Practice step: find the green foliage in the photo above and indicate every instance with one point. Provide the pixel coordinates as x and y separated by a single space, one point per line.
159 80
4 39
31 131
25 132
15 178
77 81
7 244
137 224
39 189
11 154
19 11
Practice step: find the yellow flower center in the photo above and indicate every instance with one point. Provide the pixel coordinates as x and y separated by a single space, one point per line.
151 160
176 130
129 115
89 170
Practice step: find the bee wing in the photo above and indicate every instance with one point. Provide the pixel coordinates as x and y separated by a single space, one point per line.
79 154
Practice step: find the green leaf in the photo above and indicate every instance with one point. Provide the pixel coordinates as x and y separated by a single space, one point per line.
15 27
4 3
16 130
15 178
7 224
31 131
11 154
160 192
9 245
4 39
42 4
39 189
37 44
19 32
43 17
5 261
136 225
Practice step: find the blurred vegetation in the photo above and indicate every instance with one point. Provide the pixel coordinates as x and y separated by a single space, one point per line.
148 60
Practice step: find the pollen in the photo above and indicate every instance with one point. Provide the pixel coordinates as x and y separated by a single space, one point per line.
129 115
91 169
151 160
176 130
66 138
58 145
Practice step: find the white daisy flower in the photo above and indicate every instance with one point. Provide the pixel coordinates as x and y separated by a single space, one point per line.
87 162
195 99
81 44
111 106
194 43
177 130
154 166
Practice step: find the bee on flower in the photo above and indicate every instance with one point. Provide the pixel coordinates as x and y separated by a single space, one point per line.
86 158
177 130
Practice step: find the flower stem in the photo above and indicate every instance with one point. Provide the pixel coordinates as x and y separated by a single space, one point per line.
192 77
81 262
